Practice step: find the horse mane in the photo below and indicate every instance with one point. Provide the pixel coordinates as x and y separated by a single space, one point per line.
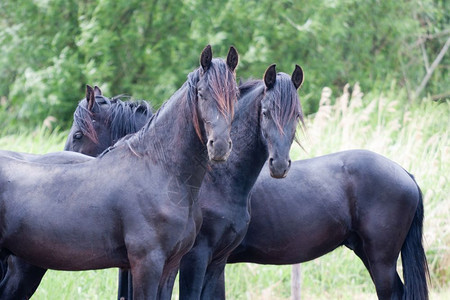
223 85
121 115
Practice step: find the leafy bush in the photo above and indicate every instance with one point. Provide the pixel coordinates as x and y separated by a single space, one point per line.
49 50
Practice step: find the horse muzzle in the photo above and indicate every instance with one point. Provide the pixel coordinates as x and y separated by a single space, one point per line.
219 150
279 168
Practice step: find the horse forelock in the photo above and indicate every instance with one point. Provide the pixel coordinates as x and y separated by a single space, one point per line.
222 84
284 100
83 118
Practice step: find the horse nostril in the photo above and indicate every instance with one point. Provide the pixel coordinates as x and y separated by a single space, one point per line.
289 163
229 144
271 161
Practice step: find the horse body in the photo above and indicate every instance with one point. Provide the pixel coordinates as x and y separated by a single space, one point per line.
134 205
43 219
354 198
38 218
224 192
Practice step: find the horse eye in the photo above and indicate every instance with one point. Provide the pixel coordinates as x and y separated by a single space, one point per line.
265 113
78 135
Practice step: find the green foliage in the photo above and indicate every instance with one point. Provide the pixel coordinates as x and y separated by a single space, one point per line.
49 50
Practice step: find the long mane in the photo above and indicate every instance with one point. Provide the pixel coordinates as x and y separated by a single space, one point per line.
127 117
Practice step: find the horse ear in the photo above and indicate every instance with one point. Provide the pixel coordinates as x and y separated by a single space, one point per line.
97 91
90 97
232 58
206 57
270 76
297 76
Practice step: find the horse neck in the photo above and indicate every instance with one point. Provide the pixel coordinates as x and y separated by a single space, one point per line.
169 139
249 149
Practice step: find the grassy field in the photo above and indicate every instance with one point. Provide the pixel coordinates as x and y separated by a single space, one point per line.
416 136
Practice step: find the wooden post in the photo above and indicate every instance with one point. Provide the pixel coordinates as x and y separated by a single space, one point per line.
295 282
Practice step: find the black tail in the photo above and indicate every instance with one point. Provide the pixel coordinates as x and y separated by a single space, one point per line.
414 261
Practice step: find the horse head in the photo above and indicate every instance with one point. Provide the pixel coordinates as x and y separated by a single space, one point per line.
216 94
280 113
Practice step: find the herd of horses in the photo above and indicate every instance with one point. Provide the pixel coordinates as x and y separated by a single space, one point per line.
197 185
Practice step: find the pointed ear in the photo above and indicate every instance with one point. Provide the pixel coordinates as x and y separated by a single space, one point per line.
270 76
97 91
297 76
232 58
90 97
206 57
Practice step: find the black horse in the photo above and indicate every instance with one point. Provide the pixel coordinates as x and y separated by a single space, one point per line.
264 128
98 123
135 205
355 198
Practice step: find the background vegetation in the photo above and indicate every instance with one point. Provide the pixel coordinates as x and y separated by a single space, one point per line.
394 51
49 50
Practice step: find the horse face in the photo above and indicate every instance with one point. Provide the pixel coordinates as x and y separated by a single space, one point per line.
280 112
216 95
89 133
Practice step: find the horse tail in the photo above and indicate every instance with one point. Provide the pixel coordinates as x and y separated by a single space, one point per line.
414 261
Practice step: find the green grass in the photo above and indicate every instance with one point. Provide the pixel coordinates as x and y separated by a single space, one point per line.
416 136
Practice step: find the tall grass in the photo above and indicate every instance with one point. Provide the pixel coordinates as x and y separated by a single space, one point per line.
414 135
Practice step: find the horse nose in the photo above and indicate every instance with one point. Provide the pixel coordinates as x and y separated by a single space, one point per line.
219 150
279 167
